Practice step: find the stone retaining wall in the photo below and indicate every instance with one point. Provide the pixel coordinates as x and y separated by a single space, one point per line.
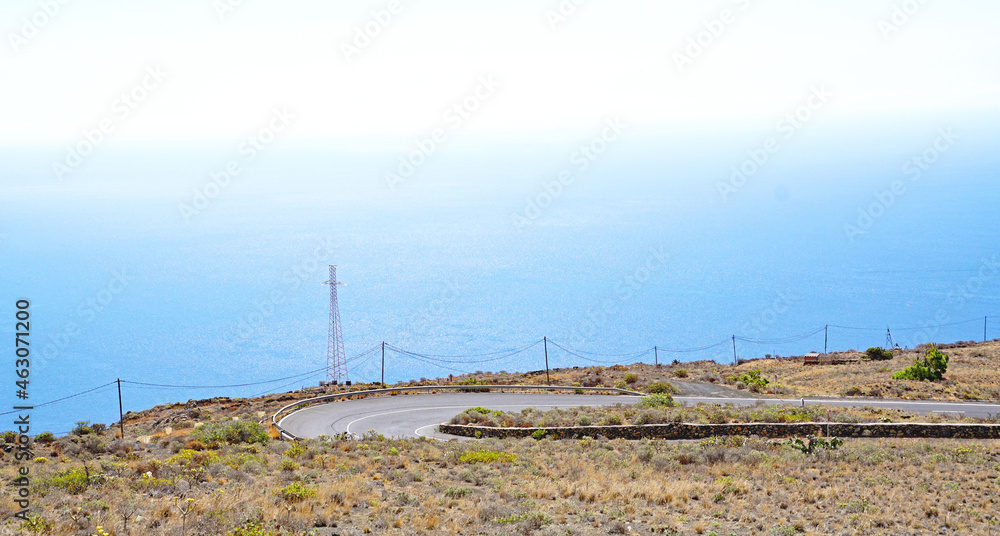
700 431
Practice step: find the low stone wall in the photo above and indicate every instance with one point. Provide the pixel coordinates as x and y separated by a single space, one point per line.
700 431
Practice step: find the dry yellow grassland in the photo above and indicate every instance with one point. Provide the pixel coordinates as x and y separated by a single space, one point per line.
177 485
730 486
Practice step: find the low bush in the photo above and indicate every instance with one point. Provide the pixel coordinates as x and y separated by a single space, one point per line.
233 432
811 443
295 492
82 428
931 368
751 380
657 400
611 420
474 381
74 480
487 456
455 493
662 388
191 459
257 528
878 354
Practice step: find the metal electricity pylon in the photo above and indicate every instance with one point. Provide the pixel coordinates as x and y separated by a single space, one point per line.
336 359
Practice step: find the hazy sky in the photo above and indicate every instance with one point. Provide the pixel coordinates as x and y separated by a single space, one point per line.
224 71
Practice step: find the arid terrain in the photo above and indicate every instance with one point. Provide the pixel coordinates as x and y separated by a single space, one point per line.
207 468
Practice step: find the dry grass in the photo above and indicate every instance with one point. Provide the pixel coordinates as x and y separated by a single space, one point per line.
733 486
637 414
973 374
726 486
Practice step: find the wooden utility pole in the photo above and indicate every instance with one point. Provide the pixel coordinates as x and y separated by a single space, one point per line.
545 343
383 363
735 361
656 358
121 415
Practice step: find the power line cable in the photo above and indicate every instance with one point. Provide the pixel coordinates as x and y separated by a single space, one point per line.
166 386
856 328
500 355
63 399
938 325
439 365
786 340
496 352
280 387
585 358
689 350
630 354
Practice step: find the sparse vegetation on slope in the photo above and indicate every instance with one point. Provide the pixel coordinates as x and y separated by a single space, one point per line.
206 468
931 368
654 409
732 485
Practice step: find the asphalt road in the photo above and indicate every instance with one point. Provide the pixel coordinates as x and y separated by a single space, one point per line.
418 415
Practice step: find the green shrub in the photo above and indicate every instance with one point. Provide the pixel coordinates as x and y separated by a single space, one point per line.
191 459
662 387
539 434
257 527
487 456
245 460
45 438
656 400
751 379
74 481
812 442
232 432
484 411
81 428
612 420
455 493
295 492
878 354
295 451
931 368
631 378
36 524
474 381
620 384
681 373
533 519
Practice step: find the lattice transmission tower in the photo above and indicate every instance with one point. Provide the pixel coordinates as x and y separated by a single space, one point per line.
336 359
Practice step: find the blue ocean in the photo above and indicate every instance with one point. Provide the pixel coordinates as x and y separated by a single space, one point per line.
139 267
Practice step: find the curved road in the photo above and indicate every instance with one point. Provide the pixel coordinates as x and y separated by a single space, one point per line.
418 415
